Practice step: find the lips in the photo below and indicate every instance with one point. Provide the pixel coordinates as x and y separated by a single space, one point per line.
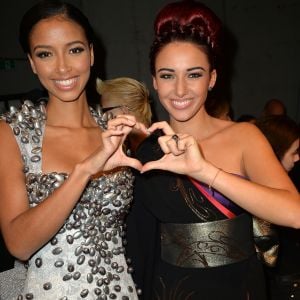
65 84
181 104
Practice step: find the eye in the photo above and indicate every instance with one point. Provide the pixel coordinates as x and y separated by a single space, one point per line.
195 75
76 50
166 76
43 54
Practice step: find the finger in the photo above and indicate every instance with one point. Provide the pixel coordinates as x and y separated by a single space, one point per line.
141 126
122 120
184 142
113 132
164 126
163 143
124 129
152 165
133 163
172 143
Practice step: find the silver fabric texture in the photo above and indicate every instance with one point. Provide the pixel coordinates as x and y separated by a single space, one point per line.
12 281
86 258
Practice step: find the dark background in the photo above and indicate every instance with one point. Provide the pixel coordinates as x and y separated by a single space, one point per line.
262 48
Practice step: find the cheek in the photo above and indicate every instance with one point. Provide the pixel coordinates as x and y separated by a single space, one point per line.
43 72
163 88
83 66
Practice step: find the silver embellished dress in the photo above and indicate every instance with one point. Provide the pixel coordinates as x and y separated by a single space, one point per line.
86 258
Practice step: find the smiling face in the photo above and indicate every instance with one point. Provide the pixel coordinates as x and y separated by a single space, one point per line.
61 57
182 78
291 156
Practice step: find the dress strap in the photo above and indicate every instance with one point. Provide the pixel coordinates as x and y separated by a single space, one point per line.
212 200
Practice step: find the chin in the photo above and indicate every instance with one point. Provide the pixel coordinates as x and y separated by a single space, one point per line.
68 97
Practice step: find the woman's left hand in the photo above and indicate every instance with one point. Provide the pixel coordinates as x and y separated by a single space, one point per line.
182 152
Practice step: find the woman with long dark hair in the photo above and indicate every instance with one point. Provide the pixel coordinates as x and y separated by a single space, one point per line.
190 229
65 186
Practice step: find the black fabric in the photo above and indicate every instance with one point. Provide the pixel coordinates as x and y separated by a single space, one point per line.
157 199
7 260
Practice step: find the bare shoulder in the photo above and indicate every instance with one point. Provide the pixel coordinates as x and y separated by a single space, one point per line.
243 127
238 137
259 161
243 131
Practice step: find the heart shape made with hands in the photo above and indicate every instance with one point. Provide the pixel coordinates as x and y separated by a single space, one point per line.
150 155
162 150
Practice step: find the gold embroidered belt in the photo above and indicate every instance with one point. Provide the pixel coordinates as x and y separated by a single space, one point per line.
210 244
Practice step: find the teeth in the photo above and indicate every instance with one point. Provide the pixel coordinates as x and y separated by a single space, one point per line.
65 82
181 103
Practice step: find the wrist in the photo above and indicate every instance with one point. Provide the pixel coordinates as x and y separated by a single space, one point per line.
211 184
80 170
208 174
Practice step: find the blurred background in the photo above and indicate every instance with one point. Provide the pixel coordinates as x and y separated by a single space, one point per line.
262 46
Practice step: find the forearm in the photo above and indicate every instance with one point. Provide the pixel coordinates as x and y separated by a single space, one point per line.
279 206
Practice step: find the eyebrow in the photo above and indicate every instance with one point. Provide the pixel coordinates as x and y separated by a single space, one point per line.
172 70
50 47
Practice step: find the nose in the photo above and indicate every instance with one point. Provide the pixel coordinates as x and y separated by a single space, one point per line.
296 158
181 86
62 64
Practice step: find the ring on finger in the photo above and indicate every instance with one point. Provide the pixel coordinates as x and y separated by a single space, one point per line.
175 138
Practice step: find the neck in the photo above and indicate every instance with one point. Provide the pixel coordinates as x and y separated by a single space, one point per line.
200 126
73 114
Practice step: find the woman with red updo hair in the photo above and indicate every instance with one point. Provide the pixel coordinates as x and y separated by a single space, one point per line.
190 229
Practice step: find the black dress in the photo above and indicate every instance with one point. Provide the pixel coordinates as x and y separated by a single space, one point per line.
168 263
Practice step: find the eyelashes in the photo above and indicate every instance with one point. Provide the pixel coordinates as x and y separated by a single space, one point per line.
77 50
43 54
46 54
191 75
166 76
195 75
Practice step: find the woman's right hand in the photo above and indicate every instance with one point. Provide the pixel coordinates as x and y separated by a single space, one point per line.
110 154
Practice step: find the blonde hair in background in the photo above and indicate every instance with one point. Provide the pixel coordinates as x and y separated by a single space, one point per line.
129 92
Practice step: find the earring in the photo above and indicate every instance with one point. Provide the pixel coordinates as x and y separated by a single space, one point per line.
210 88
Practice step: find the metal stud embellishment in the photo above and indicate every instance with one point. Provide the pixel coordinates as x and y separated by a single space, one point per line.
88 251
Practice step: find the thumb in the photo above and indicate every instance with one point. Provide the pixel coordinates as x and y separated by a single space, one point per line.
151 165
133 163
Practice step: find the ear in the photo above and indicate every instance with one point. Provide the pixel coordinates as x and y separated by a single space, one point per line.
213 78
154 83
92 54
31 64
